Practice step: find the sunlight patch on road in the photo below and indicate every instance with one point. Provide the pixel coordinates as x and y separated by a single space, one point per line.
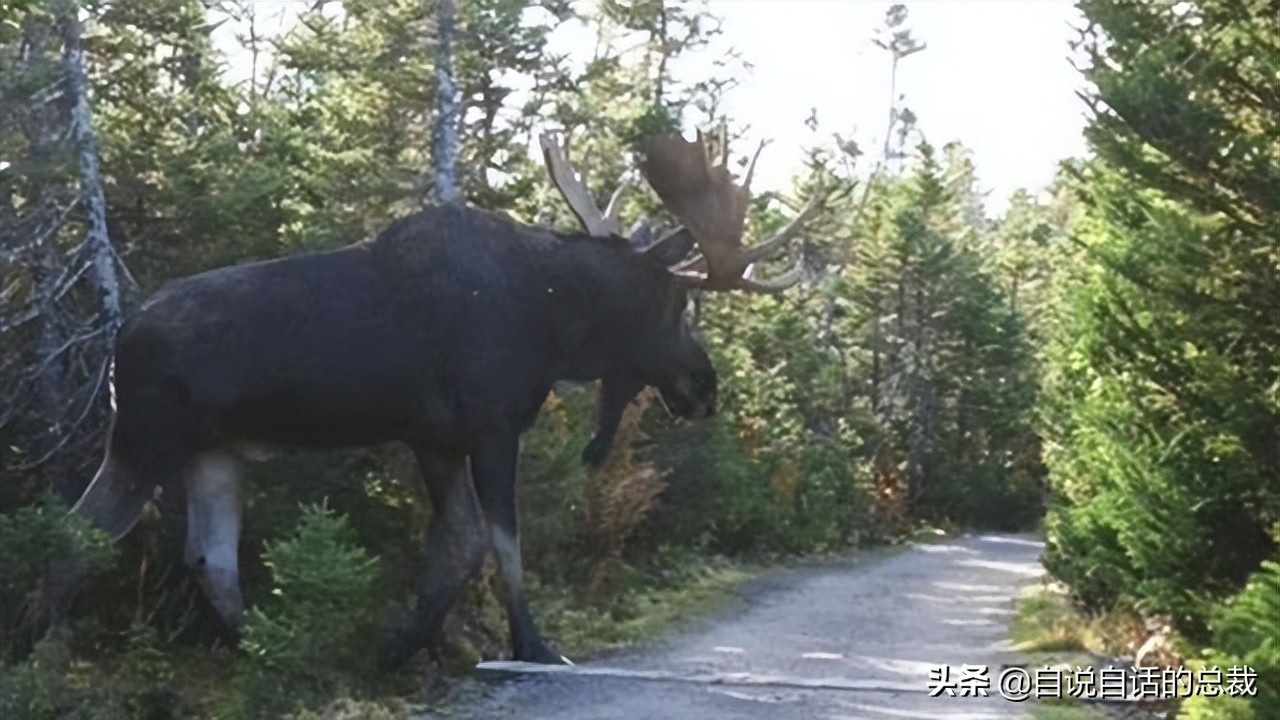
769 698
1011 541
1026 569
961 587
957 600
911 668
945 549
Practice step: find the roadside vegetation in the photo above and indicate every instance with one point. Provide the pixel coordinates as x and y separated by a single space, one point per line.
1161 359
1105 350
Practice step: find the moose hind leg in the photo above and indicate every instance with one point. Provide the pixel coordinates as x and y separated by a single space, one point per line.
213 532
493 467
115 498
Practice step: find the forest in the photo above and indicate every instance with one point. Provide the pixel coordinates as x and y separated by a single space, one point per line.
1098 363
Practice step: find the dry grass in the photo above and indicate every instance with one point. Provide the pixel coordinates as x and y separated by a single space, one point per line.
619 496
1047 623
889 495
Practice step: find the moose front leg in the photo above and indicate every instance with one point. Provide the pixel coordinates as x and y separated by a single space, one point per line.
493 469
611 402
455 549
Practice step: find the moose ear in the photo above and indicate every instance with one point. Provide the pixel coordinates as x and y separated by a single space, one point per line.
671 249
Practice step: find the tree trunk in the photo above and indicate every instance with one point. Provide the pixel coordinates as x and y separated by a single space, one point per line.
98 250
875 362
444 131
50 381
659 85
923 396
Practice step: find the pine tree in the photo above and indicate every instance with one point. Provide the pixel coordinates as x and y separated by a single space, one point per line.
1163 356
947 365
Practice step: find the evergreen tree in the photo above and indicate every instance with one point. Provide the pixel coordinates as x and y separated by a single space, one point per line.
1161 370
947 364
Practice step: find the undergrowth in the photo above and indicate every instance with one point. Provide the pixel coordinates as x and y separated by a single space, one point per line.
1046 622
680 584
1244 635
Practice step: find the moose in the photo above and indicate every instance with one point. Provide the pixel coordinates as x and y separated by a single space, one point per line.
446 332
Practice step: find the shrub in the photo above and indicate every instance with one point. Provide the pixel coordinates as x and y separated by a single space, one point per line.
1244 634
299 643
30 539
619 497
41 687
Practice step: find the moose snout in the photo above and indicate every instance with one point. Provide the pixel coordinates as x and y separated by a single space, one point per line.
683 400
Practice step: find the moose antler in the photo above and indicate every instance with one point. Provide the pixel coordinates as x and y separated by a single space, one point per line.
706 200
703 197
574 189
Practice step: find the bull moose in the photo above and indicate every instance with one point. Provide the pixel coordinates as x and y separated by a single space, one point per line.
445 332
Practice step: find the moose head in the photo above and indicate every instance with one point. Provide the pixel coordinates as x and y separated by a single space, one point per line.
710 207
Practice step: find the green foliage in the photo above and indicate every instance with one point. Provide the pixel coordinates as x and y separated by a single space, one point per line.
674 585
1244 635
351 709
553 487
1217 707
946 363
1242 629
1162 357
894 386
134 676
33 537
169 124
784 457
656 120
298 645
43 687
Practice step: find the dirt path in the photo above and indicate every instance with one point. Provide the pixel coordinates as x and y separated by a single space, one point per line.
856 638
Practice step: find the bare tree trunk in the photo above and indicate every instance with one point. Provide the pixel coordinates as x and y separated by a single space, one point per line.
659 85
444 132
885 153
924 405
98 250
50 379
920 443
875 362
42 222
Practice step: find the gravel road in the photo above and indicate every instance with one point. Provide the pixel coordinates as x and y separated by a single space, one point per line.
850 638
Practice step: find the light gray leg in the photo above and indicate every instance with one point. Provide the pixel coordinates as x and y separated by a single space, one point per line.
213 532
